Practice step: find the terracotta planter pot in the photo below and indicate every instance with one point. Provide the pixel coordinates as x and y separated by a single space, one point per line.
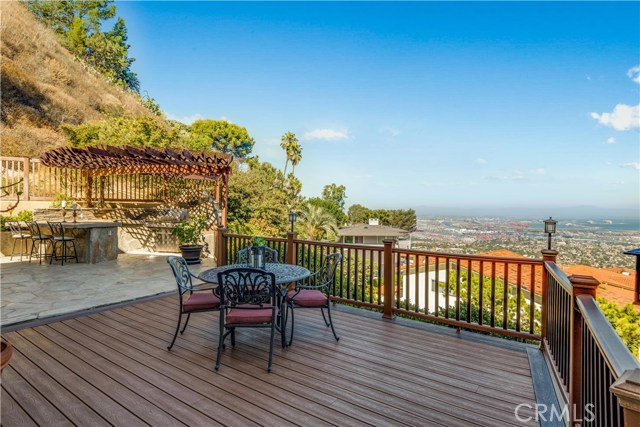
191 254
5 354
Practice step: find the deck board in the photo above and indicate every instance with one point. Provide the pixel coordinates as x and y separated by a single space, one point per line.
112 367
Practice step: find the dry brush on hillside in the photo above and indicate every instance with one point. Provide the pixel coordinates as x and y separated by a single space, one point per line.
44 86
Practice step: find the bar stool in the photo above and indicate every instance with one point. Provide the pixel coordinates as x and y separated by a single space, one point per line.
65 243
18 234
37 237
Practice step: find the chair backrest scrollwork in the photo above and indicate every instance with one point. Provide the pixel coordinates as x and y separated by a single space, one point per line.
57 230
327 272
247 286
15 229
181 273
34 229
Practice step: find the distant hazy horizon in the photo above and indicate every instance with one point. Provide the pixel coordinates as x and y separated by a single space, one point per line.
631 216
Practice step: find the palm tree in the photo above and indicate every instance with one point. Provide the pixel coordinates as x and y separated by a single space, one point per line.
316 223
288 140
295 155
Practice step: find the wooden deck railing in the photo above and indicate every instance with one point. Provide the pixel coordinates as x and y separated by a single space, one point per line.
489 294
598 378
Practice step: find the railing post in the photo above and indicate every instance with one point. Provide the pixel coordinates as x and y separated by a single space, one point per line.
291 253
627 390
221 246
388 278
548 255
25 182
579 285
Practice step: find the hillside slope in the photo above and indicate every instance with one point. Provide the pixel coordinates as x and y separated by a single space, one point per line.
44 86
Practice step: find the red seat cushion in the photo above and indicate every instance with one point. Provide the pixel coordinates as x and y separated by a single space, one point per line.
201 301
253 316
308 298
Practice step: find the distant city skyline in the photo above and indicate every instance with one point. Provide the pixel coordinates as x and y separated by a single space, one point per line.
410 105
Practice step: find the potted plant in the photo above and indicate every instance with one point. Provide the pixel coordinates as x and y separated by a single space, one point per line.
6 352
189 234
256 252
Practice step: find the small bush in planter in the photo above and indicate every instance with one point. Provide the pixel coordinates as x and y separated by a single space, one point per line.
189 232
258 241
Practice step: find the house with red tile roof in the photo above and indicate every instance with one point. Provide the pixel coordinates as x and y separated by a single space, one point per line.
616 284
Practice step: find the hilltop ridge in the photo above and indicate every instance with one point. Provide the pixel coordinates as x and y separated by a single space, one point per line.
44 86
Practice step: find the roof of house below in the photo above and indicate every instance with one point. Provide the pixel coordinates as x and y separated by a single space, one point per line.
371 230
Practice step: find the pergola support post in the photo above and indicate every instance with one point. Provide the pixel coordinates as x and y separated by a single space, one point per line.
89 193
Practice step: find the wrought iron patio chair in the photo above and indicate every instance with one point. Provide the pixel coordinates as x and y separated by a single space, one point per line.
200 299
17 233
63 242
37 240
314 292
270 255
249 299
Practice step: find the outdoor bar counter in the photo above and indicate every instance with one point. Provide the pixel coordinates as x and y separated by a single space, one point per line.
96 241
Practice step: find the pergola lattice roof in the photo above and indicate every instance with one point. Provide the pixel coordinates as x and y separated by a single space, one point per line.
110 160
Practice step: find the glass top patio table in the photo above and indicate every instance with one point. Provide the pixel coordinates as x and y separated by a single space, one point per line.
285 273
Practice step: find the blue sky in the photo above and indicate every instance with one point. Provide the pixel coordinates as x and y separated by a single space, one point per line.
454 104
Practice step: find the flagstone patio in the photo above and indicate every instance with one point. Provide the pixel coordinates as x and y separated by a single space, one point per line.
32 291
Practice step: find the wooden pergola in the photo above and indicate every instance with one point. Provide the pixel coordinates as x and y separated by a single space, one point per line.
129 160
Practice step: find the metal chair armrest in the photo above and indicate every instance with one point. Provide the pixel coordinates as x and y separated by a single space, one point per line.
204 287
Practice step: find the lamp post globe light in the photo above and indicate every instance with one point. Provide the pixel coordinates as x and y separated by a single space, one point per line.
292 218
550 228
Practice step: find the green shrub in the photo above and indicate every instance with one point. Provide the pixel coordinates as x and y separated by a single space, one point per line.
21 216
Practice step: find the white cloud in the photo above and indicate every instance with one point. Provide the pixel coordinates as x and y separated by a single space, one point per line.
611 140
623 117
634 74
326 134
632 165
186 120
480 161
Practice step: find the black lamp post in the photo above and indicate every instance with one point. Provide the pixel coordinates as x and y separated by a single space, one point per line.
550 228
292 218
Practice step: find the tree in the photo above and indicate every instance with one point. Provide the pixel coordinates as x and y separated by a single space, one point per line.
286 143
316 223
330 207
404 219
257 204
382 215
335 193
358 214
119 131
626 321
79 23
222 136
295 156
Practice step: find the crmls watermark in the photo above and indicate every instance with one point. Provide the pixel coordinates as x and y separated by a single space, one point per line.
542 412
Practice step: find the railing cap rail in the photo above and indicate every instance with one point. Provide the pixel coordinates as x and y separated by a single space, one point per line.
471 257
616 354
559 275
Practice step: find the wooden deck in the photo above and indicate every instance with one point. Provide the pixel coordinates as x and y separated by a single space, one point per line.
113 368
